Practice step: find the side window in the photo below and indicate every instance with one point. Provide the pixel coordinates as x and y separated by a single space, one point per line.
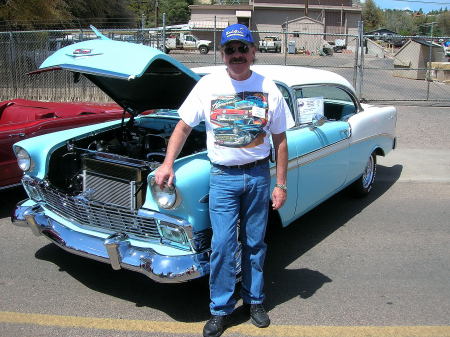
335 103
287 98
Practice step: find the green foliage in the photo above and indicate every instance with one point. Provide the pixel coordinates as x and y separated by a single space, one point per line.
44 14
399 21
27 14
444 23
372 16
407 23
177 11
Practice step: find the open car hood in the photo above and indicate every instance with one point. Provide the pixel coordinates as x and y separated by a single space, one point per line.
135 76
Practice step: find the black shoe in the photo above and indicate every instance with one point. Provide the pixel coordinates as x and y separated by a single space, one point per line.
215 326
259 316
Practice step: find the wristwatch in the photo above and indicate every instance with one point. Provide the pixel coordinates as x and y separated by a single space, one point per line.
283 187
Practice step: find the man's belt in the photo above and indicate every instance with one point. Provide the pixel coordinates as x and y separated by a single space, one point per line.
245 166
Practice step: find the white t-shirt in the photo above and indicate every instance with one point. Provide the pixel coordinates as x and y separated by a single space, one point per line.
239 116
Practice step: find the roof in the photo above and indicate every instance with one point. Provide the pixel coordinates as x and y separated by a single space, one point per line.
381 31
290 75
419 41
303 18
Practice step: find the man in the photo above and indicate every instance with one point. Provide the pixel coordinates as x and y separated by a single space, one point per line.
241 110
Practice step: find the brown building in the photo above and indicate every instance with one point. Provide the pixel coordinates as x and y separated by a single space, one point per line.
269 16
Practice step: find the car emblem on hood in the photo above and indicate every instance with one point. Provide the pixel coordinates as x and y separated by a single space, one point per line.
82 52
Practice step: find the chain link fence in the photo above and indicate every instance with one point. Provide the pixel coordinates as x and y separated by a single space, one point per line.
381 68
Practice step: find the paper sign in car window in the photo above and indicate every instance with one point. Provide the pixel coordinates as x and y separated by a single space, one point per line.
309 107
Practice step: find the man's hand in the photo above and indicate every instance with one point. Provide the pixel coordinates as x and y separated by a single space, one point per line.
164 175
278 198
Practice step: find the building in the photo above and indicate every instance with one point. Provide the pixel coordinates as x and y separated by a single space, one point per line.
271 16
411 61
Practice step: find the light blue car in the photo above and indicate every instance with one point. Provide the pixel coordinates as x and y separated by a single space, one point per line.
91 189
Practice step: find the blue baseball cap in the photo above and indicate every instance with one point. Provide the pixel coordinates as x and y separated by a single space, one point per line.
236 32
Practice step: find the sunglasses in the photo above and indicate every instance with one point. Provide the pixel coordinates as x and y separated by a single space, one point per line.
243 49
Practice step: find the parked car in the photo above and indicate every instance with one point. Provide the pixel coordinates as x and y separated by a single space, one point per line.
91 189
270 43
21 119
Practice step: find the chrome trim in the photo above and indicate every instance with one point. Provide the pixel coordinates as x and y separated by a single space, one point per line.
388 135
113 244
313 156
116 250
9 186
141 224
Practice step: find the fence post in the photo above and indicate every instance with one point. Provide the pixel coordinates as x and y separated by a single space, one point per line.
214 39
357 75
13 56
286 42
164 32
430 57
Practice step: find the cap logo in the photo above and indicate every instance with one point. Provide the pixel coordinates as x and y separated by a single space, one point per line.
235 32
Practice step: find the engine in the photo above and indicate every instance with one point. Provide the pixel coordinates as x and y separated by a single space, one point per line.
112 166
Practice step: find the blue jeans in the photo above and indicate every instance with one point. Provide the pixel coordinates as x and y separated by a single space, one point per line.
237 194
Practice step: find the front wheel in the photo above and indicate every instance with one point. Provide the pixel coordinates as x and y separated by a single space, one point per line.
203 50
363 185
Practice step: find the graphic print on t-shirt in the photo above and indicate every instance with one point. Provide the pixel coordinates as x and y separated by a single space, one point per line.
239 119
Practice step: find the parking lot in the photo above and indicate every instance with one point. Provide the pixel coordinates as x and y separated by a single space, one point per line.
376 266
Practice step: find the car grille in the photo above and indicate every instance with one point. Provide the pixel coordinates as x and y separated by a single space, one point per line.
95 214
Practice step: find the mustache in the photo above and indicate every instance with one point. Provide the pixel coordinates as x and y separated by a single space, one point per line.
238 60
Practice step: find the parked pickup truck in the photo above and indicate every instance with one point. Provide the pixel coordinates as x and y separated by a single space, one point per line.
270 43
187 42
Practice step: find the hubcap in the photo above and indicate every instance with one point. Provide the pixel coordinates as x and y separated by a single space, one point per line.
368 173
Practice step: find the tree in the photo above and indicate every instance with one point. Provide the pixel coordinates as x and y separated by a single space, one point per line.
44 14
103 13
177 11
400 22
372 16
444 23
31 14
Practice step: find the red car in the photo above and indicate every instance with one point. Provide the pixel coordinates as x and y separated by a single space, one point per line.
20 119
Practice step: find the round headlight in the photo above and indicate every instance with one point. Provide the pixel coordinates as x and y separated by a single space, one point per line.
23 159
165 197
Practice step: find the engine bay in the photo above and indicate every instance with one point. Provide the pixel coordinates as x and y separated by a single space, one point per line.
140 144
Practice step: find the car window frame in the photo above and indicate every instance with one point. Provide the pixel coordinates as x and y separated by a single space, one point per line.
347 90
292 106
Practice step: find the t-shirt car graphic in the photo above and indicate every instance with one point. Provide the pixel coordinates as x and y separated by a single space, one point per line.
239 119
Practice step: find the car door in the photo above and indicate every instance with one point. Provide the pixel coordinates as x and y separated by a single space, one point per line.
287 212
322 141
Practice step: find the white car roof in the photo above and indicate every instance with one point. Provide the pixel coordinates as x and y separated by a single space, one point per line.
290 75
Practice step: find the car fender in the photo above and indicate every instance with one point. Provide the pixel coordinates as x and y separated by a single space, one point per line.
192 187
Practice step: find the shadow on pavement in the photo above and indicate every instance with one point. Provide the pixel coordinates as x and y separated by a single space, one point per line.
188 302
9 198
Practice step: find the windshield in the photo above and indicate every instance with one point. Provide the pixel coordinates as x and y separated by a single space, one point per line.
166 112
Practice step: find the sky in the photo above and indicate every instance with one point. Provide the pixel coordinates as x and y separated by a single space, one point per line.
414 5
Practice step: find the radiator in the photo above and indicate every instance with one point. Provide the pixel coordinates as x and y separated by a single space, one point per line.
114 182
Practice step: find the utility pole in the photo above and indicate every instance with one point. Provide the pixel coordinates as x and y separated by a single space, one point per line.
156 12
306 7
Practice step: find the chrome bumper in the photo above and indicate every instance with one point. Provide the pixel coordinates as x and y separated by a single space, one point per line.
115 250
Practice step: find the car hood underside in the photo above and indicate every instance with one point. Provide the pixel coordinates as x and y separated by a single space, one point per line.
135 76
